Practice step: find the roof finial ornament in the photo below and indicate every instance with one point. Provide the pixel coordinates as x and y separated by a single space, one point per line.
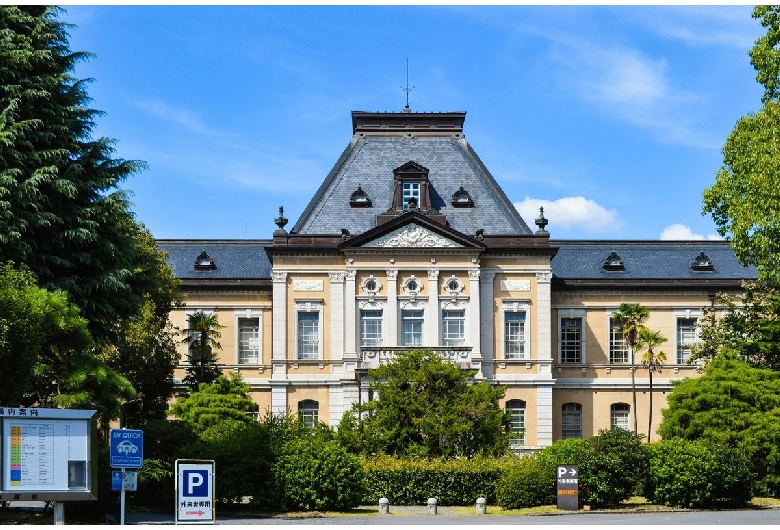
541 222
281 220
407 88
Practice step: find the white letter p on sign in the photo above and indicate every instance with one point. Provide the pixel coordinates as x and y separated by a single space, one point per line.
195 480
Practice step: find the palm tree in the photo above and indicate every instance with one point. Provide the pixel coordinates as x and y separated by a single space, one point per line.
652 361
631 318
201 338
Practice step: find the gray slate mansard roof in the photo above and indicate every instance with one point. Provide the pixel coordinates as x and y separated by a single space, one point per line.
233 259
370 159
646 260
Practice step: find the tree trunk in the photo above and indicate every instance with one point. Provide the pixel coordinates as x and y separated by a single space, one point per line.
633 390
650 421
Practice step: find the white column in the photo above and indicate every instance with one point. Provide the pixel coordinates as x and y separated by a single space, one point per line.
279 399
544 414
391 318
336 314
279 332
431 322
487 319
544 322
350 329
475 316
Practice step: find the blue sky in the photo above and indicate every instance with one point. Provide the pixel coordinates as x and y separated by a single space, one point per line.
610 117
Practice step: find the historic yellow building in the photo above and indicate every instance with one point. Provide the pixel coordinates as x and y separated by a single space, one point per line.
411 243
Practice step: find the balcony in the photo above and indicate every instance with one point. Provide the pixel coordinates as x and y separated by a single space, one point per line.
374 356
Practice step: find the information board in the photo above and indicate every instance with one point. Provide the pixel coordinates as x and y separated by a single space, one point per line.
195 492
47 454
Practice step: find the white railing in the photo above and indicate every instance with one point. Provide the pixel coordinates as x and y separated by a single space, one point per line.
374 356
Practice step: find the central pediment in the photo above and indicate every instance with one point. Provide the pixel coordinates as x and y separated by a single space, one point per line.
412 230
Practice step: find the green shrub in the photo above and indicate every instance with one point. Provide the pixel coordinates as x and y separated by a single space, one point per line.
690 474
319 474
452 482
525 484
612 467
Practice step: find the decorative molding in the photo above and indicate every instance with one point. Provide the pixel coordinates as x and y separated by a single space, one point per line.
392 274
308 285
279 277
337 277
487 276
544 277
350 276
433 274
515 285
474 274
412 236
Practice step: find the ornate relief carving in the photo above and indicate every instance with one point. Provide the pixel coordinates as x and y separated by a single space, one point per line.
337 277
279 276
350 275
515 285
433 275
474 274
308 285
544 277
392 274
412 236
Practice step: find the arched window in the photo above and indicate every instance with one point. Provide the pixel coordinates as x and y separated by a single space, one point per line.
571 421
309 412
618 413
516 410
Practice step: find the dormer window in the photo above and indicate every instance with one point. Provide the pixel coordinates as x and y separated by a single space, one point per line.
204 262
411 195
613 263
702 262
411 188
462 199
359 199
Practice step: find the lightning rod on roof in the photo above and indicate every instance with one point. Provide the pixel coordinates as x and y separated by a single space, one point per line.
407 88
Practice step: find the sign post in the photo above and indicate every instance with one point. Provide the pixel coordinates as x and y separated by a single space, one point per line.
195 500
567 487
126 450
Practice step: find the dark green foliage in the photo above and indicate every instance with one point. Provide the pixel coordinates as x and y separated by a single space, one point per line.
612 466
693 474
316 473
61 211
452 482
212 404
203 330
525 484
732 404
428 407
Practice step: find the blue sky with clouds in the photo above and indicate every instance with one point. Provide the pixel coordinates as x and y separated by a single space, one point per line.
610 117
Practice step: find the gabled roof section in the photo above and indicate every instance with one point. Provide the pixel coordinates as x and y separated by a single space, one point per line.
411 230
383 142
647 262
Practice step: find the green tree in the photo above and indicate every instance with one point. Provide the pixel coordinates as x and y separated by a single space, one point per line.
652 361
225 399
631 318
428 407
734 404
203 330
743 201
62 212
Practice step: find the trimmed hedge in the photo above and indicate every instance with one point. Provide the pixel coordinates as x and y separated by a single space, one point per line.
451 482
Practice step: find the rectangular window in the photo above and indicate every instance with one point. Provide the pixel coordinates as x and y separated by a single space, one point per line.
308 335
514 335
516 410
248 340
453 329
571 340
571 421
371 328
618 351
411 189
309 413
686 335
411 328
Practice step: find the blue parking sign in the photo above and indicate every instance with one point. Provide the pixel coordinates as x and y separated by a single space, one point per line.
196 483
126 448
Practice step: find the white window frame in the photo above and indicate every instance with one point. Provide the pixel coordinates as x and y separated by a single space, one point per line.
248 314
362 320
565 314
403 319
516 408
516 307
309 306
620 416
447 317
575 407
308 415
615 344
409 190
685 314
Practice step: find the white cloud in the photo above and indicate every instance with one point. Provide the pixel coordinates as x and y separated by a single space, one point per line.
680 232
184 118
570 212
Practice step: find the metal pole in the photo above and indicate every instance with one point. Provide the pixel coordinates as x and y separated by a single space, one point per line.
122 500
59 512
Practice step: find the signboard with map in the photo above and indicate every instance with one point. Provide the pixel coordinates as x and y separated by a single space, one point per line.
47 454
